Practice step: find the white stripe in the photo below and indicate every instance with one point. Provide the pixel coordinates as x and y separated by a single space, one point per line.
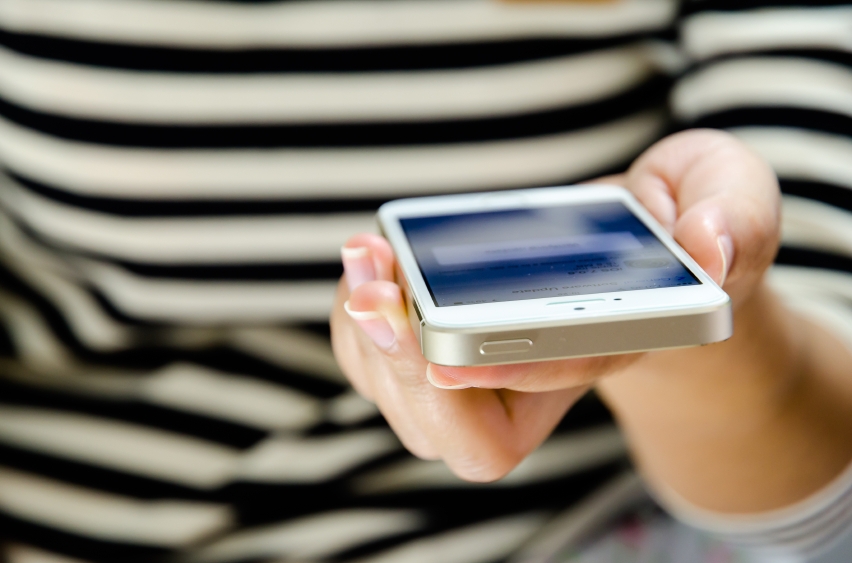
487 541
286 238
290 348
573 528
293 349
203 302
822 295
759 81
558 456
311 537
231 397
295 98
84 315
798 154
41 359
35 344
571 453
126 447
325 23
102 382
318 173
815 225
350 408
18 553
712 33
184 387
799 280
297 460
106 516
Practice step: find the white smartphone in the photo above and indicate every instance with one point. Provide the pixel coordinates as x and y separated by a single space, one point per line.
539 274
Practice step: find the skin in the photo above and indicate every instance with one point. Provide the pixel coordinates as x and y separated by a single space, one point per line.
751 424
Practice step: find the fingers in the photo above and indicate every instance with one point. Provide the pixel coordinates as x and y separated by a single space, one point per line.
367 368
705 233
719 200
534 377
480 433
367 257
612 179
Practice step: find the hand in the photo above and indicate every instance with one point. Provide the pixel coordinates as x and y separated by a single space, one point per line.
718 199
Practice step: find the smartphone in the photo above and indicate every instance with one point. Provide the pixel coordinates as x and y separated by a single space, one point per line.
540 274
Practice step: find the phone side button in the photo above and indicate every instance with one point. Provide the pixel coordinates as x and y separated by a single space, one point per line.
505 346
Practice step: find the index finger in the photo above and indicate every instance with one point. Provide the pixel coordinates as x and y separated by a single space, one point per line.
533 377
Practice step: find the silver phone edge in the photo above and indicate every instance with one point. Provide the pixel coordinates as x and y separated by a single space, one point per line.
682 328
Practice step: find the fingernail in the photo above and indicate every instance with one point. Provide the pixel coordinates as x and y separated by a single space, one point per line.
442 381
374 325
358 265
726 249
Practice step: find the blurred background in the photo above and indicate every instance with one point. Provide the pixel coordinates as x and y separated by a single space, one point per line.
179 175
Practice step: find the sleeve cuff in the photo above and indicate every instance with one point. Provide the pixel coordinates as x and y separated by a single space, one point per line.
802 530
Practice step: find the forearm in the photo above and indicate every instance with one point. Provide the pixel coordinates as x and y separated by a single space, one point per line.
756 423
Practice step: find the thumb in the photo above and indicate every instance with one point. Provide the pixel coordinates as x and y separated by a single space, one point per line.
704 233
718 198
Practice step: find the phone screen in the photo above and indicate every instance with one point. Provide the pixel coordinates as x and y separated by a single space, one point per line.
517 254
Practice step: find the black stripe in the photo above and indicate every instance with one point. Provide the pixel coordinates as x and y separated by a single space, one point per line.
587 412
201 207
7 343
320 271
818 54
207 207
829 122
649 94
305 60
74 545
320 329
693 6
794 256
151 349
449 507
134 412
452 508
837 196
98 478
231 271
58 325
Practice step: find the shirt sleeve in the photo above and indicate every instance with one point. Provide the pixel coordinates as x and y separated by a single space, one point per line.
776 76
805 531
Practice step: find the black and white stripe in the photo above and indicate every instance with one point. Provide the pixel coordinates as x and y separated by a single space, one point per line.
778 76
178 176
177 180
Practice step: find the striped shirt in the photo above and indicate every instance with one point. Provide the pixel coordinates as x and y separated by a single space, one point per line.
178 177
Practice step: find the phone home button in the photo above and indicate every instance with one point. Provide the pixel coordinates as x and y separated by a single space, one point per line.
506 346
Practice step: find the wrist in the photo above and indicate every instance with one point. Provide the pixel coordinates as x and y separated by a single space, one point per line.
749 376
721 424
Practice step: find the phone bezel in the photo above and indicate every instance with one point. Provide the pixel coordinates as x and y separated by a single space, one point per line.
645 302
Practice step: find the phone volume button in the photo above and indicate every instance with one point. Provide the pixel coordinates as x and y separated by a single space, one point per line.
506 347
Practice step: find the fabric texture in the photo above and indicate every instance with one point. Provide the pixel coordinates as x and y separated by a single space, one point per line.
177 180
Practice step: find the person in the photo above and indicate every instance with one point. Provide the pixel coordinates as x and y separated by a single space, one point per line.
717 430
178 178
